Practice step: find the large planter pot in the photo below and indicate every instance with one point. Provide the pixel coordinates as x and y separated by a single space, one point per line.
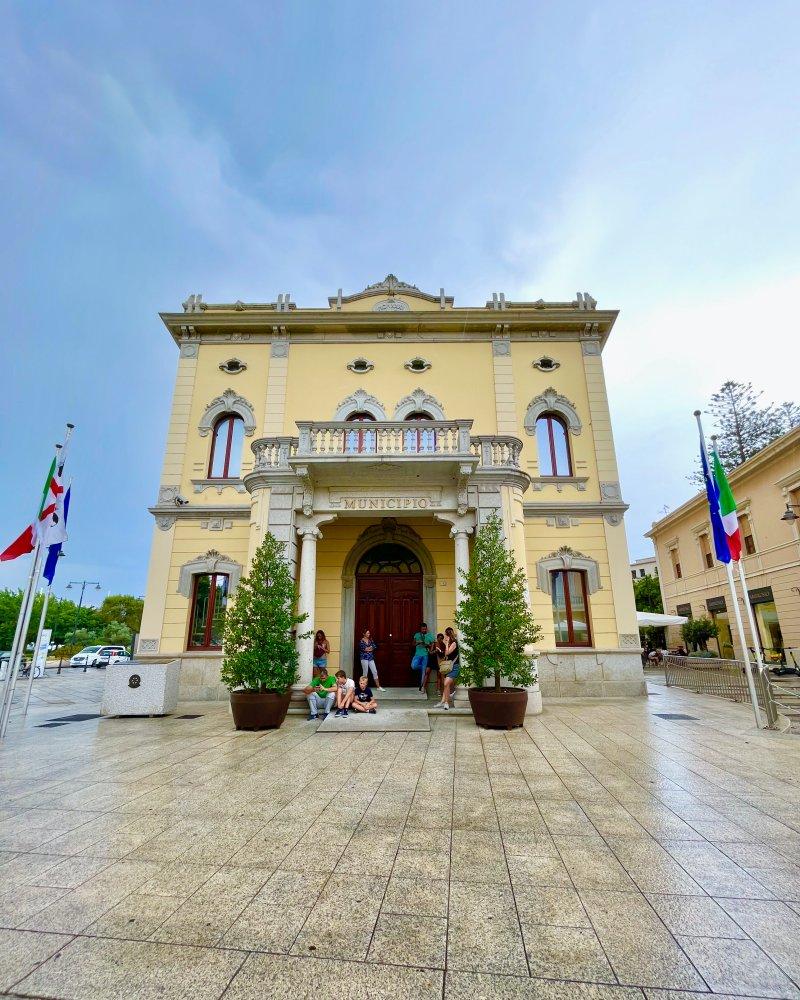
256 710
498 710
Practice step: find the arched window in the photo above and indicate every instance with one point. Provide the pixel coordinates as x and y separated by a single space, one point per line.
570 607
226 447
420 439
553 443
360 441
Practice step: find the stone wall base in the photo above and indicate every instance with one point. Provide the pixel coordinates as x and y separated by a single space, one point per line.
591 673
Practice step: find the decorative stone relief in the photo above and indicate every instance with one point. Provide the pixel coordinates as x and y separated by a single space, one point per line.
567 558
189 349
237 338
419 401
390 335
360 366
613 519
553 402
212 562
391 305
167 494
201 485
228 402
165 521
546 364
147 646
417 364
501 348
578 482
216 524
610 491
628 640
233 366
360 402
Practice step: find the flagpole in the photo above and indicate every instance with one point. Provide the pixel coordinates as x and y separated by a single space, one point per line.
751 619
22 632
36 651
736 613
26 606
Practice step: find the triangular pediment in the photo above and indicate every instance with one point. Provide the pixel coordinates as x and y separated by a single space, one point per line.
390 295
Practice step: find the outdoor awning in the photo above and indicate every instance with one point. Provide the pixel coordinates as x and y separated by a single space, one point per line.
651 618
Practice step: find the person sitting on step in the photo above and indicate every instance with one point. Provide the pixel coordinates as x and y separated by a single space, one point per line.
320 694
364 700
345 692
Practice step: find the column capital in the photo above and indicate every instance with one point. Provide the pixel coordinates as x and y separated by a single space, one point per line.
308 525
461 524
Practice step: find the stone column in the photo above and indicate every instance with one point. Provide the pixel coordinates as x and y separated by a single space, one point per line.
462 526
308 530
306 599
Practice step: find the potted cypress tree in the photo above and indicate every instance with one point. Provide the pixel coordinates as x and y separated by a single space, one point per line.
260 658
496 625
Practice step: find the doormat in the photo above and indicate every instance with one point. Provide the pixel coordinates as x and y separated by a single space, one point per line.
386 720
675 716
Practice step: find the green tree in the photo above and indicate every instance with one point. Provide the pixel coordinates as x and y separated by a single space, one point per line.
744 425
494 618
124 609
115 634
647 594
258 641
697 631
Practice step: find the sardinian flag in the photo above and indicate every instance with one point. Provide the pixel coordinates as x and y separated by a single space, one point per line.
50 524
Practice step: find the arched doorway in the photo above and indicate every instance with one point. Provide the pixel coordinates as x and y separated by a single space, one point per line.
389 603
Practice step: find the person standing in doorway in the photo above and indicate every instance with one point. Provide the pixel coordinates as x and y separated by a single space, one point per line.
423 640
366 651
321 650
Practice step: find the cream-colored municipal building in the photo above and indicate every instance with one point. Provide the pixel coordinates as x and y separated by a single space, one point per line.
372 436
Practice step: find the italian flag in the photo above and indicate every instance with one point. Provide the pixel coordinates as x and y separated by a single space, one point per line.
48 510
727 508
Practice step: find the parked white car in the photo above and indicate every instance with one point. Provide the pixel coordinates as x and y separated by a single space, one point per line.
97 656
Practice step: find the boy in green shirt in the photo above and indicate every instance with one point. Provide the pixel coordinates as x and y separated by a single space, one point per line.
320 694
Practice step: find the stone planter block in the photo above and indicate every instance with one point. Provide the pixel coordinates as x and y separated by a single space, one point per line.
141 688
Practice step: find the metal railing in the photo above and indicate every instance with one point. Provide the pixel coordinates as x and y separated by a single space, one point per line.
723 679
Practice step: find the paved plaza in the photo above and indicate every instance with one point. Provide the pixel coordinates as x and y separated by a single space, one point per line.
603 852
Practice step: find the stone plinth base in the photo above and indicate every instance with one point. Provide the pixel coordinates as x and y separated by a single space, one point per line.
140 688
591 673
199 675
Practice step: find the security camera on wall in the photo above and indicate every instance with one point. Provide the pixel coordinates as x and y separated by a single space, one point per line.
180 501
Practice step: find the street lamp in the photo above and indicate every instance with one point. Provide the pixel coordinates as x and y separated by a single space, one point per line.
83 584
789 514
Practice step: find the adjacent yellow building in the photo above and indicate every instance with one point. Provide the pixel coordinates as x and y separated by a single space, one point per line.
694 584
373 436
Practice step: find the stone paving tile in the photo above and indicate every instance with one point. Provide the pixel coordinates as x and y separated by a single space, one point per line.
640 949
101 969
773 926
737 967
467 986
566 953
425 898
289 978
557 906
22 951
403 939
698 916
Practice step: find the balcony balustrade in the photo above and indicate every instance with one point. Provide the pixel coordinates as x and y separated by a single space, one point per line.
386 439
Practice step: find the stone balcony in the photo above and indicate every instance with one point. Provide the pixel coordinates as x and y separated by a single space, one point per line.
423 450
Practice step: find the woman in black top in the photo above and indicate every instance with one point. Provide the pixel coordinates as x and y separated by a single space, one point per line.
451 655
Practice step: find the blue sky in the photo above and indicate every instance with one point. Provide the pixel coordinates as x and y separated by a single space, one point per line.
647 153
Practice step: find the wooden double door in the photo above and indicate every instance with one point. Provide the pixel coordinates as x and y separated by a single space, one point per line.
390 606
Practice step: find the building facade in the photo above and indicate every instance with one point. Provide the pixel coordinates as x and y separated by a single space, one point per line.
646 566
373 437
694 584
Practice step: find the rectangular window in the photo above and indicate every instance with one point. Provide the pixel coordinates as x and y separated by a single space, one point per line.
209 601
676 565
746 531
570 608
705 549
